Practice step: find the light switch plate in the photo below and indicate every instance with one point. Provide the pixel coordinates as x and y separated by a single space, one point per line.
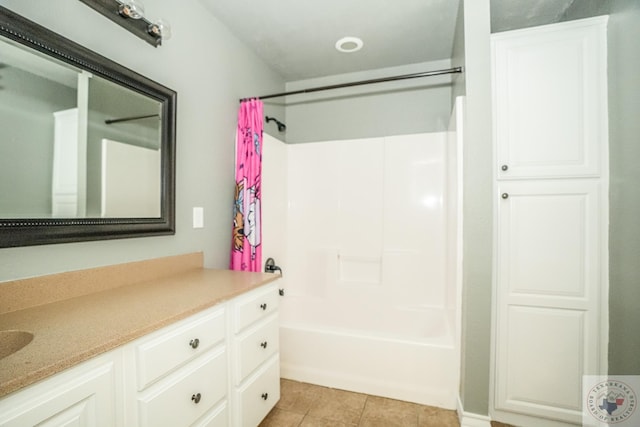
198 217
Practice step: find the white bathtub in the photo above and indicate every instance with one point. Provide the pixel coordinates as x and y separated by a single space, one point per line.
404 353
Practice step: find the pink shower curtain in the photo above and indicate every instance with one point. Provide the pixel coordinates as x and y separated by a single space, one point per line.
246 251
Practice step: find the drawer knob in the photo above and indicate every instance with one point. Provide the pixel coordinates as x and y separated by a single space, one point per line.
196 398
505 195
194 343
263 344
504 168
265 396
263 306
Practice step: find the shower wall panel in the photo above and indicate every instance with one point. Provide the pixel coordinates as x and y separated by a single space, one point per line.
366 221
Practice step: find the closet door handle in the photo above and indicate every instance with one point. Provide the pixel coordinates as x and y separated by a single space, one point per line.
505 195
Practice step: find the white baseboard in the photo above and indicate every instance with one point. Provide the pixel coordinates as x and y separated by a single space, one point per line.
468 419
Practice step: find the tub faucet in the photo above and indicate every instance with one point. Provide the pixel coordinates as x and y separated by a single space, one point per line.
271 267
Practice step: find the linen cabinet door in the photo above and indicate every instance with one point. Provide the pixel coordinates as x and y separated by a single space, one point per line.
548 278
550 100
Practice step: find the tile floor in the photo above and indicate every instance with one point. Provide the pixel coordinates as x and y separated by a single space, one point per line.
308 405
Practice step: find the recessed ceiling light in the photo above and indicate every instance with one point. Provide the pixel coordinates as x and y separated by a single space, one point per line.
349 44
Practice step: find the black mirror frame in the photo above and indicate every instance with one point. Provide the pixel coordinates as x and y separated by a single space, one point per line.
42 231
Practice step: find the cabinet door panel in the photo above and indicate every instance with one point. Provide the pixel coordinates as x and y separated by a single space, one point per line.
82 396
548 279
543 365
548 238
550 101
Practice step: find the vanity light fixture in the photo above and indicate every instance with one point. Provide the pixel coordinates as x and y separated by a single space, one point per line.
130 14
133 9
161 27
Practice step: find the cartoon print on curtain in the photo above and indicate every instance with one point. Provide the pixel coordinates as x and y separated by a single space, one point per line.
246 250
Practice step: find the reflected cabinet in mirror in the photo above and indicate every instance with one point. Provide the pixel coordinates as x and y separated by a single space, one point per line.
87 147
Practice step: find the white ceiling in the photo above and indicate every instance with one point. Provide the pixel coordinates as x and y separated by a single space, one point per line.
297 37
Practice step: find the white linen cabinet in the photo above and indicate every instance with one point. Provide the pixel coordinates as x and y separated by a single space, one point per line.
550 219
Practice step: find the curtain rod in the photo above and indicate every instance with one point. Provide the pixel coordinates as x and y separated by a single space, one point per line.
362 82
128 119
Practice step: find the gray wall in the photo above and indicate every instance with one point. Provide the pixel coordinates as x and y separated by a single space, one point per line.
390 108
474 48
624 208
27 104
210 69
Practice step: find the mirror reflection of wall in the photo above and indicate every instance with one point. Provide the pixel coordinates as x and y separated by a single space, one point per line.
108 101
30 93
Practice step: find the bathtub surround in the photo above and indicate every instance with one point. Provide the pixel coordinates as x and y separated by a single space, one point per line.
366 262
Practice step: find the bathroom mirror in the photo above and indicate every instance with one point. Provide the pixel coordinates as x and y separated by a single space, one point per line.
87 146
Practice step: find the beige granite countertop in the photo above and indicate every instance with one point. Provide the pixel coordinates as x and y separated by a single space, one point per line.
84 324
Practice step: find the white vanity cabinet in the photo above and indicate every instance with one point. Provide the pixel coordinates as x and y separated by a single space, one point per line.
181 373
86 395
256 357
216 368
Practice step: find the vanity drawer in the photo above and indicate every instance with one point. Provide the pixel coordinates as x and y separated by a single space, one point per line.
166 351
257 345
255 306
260 394
186 395
217 417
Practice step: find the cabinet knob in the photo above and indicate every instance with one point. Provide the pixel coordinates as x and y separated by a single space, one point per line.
504 168
263 306
263 344
505 195
265 396
196 398
194 343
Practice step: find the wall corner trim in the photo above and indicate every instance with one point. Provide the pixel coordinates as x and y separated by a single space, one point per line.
468 419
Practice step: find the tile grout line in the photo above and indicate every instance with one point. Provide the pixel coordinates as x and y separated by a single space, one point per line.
366 399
